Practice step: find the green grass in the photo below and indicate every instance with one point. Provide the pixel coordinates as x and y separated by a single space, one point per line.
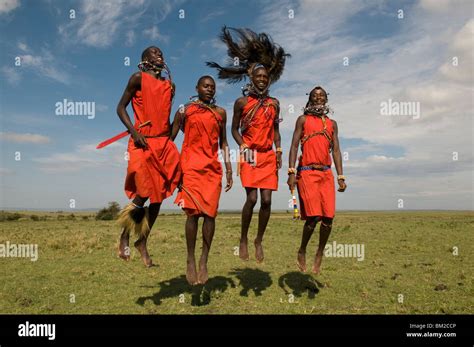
408 253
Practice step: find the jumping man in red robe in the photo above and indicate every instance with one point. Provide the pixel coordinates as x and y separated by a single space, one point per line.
318 136
153 168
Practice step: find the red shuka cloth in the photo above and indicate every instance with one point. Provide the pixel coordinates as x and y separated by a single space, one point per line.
202 171
153 172
259 136
316 188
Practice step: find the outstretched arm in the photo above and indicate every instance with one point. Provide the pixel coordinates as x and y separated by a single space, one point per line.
277 137
238 106
178 119
134 84
295 142
225 149
337 157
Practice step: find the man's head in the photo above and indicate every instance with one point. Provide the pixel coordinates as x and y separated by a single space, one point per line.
206 88
318 96
153 55
259 77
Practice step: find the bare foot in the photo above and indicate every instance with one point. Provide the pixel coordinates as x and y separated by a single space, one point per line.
258 251
191 275
301 261
203 276
317 264
140 245
124 249
244 250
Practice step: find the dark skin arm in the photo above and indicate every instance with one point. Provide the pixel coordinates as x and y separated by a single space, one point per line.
337 157
238 107
295 142
225 148
178 119
277 137
134 85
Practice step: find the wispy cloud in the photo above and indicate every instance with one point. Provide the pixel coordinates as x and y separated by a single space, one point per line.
212 14
102 22
7 6
43 64
11 74
84 157
24 138
154 34
409 65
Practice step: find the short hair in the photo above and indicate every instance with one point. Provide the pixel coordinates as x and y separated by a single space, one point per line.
202 78
319 88
146 51
316 88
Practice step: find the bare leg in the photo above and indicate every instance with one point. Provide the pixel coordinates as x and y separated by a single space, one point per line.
247 212
124 248
324 231
191 233
308 230
140 244
208 228
263 217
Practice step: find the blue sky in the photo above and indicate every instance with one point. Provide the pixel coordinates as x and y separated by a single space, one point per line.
389 158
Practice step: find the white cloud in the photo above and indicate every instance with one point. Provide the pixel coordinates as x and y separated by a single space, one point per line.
130 38
8 5
45 65
85 157
22 46
413 64
154 34
24 138
101 23
11 74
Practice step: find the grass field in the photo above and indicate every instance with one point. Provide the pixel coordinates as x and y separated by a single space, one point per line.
414 262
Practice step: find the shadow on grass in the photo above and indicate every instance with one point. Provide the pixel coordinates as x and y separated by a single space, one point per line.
252 280
299 284
200 294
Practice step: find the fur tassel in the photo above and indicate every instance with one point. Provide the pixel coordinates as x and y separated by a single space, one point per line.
126 220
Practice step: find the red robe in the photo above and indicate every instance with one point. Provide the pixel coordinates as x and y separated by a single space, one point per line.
258 135
153 172
202 171
316 188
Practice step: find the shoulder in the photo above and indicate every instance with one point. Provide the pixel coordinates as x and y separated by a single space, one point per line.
241 101
221 111
135 79
274 100
136 76
301 119
333 122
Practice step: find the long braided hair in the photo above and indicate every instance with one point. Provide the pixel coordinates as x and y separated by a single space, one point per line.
248 53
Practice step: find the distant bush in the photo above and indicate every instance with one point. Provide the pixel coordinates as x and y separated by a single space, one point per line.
108 213
8 216
85 218
71 217
35 217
